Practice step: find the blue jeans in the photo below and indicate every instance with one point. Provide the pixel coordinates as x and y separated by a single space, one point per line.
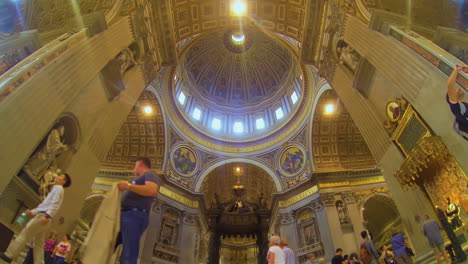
132 226
59 260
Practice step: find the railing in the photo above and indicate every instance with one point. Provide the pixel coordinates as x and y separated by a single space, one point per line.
11 80
431 52
309 249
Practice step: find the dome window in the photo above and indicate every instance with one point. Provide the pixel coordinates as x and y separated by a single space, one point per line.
279 113
181 98
260 123
196 114
294 97
238 127
216 124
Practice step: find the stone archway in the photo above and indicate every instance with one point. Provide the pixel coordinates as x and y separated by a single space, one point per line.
380 214
276 179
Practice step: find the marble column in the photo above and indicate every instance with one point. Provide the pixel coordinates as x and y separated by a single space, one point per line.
288 230
188 239
324 229
333 220
152 233
354 215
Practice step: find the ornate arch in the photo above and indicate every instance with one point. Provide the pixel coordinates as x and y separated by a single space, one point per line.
276 178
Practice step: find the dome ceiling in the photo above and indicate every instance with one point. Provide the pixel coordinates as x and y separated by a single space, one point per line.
237 75
238 91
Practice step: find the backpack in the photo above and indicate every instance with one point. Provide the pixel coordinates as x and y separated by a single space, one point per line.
365 255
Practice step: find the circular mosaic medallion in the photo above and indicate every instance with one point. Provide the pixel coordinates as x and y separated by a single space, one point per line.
292 160
184 160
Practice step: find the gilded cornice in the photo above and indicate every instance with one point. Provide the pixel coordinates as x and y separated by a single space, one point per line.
299 197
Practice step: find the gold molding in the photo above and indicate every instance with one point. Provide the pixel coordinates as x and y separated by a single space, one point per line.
178 198
367 180
301 196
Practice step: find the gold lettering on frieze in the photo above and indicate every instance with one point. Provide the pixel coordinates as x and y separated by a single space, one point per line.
178 198
301 196
369 180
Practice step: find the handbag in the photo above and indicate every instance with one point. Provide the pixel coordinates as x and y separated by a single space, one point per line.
410 252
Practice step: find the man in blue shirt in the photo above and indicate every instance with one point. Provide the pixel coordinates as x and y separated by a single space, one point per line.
431 230
137 197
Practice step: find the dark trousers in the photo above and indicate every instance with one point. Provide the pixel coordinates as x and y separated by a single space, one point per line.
59 260
47 257
132 226
29 259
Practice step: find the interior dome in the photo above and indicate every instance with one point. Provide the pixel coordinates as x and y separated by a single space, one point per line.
239 88
237 69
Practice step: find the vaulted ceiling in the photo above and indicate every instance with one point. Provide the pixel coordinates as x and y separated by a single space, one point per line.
142 135
282 16
337 143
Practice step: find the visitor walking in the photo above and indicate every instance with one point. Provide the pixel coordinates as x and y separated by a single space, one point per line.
432 232
311 259
275 254
400 248
49 247
137 197
289 256
368 253
386 255
40 222
338 258
62 250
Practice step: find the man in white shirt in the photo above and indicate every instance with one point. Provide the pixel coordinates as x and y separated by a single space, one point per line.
37 228
275 253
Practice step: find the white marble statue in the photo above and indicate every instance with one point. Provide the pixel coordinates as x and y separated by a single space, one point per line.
127 59
342 212
47 179
43 158
349 57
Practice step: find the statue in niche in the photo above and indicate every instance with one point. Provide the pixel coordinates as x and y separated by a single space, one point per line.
347 55
47 179
126 59
261 201
453 214
46 153
342 212
216 197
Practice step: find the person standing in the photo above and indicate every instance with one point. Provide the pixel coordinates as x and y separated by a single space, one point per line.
400 244
311 258
369 254
62 250
40 223
275 254
49 248
137 197
289 256
338 258
432 232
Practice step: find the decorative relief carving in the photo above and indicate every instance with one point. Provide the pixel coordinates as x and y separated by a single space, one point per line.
328 199
190 219
287 218
317 205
